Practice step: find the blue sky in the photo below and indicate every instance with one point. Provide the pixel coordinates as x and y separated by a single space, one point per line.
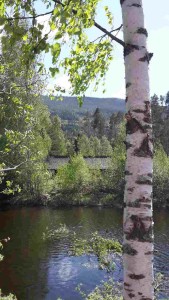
157 23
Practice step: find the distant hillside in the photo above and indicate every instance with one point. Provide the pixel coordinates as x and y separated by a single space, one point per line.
69 108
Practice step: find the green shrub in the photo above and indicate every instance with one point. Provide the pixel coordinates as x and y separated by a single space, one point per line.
102 247
76 176
161 176
113 178
107 291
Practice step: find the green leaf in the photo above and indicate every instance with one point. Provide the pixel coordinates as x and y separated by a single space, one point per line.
25 37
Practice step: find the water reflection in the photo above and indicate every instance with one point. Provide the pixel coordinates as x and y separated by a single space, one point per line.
38 270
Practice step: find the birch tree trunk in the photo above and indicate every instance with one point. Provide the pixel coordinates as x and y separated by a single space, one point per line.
138 223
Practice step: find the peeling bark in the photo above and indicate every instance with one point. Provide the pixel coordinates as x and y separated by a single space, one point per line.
138 223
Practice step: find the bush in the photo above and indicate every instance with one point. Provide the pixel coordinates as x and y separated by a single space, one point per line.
107 291
76 176
161 176
113 178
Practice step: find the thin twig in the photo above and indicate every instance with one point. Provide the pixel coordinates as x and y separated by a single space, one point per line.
29 17
14 168
113 37
103 35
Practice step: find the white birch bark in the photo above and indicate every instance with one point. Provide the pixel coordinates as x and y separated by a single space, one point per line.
138 224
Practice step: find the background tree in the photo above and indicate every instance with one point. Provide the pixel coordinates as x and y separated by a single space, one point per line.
95 146
115 120
167 99
59 146
85 145
106 148
24 141
98 123
86 124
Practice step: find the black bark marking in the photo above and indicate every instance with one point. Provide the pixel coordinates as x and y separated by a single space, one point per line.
149 219
147 118
144 199
149 253
135 203
127 172
140 293
128 84
136 277
126 99
145 298
128 145
144 179
126 284
131 189
127 249
139 111
146 112
147 57
131 295
135 5
128 48
147 206
134 125
142 30
144 149
138 231
128 290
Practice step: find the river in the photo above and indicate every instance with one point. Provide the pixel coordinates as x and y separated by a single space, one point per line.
34 269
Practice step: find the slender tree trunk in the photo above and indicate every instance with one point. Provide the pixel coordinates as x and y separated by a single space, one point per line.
138 224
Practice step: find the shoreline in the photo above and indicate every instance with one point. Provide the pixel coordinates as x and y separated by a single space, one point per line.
91 200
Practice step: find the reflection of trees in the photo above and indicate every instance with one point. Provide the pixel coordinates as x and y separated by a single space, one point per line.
29 263
161 221
20 268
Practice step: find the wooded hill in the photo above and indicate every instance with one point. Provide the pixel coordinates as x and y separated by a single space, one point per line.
69 108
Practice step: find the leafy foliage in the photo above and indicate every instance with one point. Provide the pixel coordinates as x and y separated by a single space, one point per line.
60 232
24 141
114 176
87 60
161 175
76 175
99 246
107 291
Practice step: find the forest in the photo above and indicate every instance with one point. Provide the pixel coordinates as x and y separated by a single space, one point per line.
94 133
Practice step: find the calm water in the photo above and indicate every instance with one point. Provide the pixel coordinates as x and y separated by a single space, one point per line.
37 270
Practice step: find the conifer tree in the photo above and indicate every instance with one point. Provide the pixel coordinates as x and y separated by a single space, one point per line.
98 123
56 134
106 148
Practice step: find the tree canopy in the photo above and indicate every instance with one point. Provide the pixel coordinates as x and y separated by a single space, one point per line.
86 60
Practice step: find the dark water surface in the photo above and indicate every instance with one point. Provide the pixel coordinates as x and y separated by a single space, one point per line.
34 269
